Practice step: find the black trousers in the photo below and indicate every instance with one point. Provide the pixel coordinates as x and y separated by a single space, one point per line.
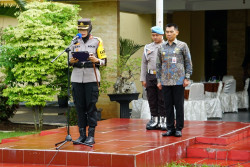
85 96
174 97
155 97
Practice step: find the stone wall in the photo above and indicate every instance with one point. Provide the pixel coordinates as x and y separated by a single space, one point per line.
236 34
7 21
137 28
197 45
106 21
191 30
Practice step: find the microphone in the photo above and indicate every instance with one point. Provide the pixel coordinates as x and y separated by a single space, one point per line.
79 35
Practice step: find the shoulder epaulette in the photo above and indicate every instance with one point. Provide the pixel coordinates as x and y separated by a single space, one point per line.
99 39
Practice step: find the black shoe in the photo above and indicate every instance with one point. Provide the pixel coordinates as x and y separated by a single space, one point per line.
149 122
79 140
152 124
163 128
169 133
148 127
178 133
152 128
163 124
90 139
82 137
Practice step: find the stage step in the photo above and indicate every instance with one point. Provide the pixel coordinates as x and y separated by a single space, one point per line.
229 149
226 138
238 151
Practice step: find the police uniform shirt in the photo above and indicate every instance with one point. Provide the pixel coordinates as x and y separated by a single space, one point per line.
149 59
86 75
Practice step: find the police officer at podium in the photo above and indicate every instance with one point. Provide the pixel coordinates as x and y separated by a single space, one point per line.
85 79
149 81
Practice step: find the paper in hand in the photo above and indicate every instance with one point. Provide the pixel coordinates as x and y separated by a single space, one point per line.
81 56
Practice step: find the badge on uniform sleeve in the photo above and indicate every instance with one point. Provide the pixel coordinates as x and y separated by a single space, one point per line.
100 50
174 60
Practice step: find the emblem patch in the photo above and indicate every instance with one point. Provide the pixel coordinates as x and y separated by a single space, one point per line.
177 50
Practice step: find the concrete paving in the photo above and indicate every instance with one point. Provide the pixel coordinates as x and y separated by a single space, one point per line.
54 115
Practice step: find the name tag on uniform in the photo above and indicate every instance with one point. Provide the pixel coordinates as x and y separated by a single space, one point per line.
174 60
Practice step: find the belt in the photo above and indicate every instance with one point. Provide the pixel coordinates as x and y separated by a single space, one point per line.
85 65
151 71
90 65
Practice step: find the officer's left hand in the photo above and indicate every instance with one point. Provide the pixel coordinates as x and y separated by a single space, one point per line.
186 82
159 86
93 59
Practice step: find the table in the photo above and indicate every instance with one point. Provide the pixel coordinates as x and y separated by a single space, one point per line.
211 87
208 86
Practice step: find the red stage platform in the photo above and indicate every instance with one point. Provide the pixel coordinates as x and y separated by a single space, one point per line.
126 143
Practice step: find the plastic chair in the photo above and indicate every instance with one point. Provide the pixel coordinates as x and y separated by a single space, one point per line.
227 77
213 104
194 107
228 97
243 98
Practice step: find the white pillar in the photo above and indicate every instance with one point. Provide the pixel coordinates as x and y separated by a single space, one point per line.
159 13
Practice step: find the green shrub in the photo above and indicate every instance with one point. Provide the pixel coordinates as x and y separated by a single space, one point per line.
72 117
5 135
184 164
43 31
6 111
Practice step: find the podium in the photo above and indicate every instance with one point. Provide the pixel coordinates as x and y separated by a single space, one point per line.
124 100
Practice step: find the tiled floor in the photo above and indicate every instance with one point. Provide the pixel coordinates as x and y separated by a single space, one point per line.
119 142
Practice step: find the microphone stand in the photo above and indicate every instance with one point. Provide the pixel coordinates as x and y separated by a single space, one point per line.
68 137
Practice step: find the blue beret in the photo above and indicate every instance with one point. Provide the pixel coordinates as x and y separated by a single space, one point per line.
157 29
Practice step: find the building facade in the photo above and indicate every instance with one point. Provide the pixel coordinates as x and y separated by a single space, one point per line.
218 36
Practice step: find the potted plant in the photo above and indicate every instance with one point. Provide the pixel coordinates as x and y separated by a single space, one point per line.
127 69
124 88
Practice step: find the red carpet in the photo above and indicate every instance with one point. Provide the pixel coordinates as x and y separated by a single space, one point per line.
125 142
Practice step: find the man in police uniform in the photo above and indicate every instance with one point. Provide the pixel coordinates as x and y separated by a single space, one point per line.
149 81
85 79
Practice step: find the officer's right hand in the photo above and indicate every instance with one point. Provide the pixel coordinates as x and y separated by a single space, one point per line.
186 82
144 84
73 60
159 86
